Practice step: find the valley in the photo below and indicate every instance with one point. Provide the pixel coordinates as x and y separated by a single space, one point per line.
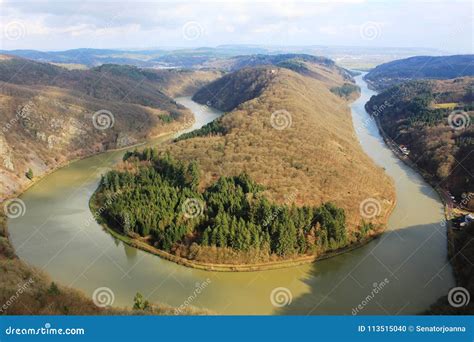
237 170
241 157
309 284
261 199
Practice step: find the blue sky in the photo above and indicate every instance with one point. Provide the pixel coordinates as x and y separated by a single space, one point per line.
59 25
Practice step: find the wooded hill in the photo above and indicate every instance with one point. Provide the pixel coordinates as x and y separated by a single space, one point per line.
291 136
420 67
434 119
315 157
158 198
47 112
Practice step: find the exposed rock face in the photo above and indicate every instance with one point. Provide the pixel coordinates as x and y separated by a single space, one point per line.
124 140
49 116
43 134
5 154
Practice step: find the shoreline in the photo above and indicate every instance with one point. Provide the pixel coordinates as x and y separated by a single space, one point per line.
213 267
448 206
426 176
306 259
263 266
37 179
405 159
447 209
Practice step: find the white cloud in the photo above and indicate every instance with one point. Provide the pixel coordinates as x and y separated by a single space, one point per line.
63 24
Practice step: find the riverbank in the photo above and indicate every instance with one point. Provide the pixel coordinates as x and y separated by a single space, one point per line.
186 125
26 290
447 203
445 198
215 267
458 260
39 294
255 263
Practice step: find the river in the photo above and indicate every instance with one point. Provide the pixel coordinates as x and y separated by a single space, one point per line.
59 235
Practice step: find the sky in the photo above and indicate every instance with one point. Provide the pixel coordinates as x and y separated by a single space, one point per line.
61 25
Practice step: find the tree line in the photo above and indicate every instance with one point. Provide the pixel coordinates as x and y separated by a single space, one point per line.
150 199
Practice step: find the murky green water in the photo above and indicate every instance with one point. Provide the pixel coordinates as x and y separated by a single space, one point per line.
58 234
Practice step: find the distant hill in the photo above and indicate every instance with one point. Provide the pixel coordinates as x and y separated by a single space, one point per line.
229 91
420 67
299 62
86 57
182 58
227 58
256 60
47 112
351 57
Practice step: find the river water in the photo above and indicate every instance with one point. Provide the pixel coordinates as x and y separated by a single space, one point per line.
59 235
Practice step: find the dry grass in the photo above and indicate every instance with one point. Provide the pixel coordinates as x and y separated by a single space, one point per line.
449 105
71 66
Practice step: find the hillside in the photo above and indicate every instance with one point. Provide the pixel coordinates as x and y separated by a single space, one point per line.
420 67
309 65
286 140
281 158
434 120
229 91
50 115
